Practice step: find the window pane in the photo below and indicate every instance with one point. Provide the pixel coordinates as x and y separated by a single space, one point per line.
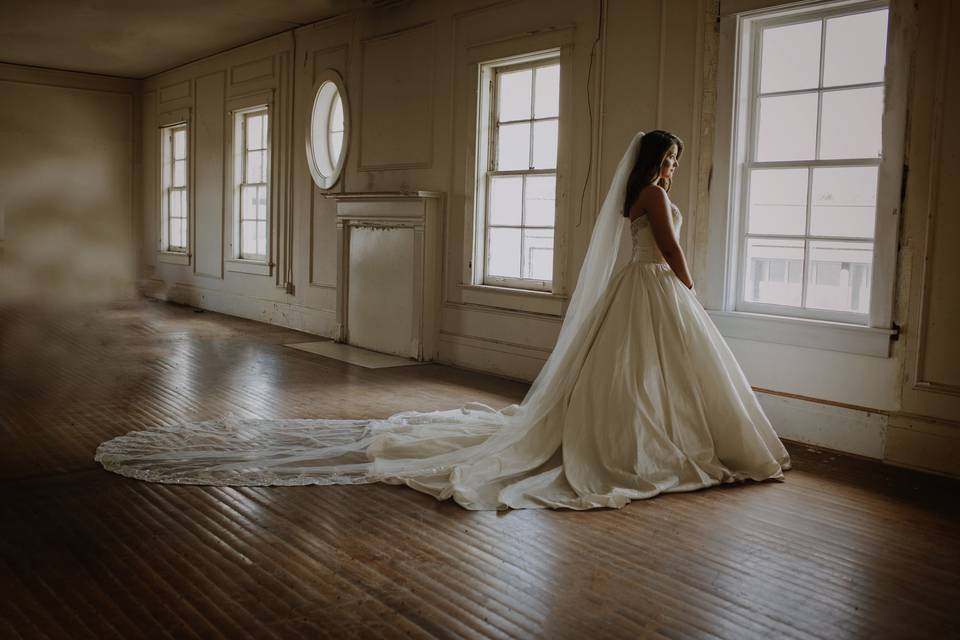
851 123
844 201
175 210
514 95
183 202
760 283
257 131
504 253
547 98
262 238
336 115
180 144
179 173
856 49
261 203
778 201
248 238
545 144
183 225
839 275
256 171
336 144
248 204
788 128
506 194
538 254
540 201
176 226
790 58
254 132
513 147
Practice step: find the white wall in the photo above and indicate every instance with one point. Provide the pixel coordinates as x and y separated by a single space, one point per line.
67 229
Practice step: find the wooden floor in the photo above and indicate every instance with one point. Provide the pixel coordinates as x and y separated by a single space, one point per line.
845 548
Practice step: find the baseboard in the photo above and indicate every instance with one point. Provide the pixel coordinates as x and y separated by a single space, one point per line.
844 429
923 443
319 322
503 359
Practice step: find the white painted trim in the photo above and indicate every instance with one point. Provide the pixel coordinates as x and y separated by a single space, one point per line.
803 332
519 299
248 266
327 177
844 429
720 292
174 117
492 357
502 50
173 257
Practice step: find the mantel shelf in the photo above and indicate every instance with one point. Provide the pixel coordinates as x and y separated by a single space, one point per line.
382 196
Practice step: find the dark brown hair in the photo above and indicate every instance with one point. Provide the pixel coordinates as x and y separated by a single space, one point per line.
646 170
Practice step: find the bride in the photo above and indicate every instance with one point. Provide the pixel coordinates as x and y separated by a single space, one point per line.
640 396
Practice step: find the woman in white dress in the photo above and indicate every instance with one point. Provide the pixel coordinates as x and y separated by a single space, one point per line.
640 396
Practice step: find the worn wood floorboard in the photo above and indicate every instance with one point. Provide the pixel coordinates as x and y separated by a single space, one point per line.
844 548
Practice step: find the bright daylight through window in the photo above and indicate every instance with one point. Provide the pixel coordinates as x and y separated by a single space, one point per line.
252 171
814 90
173 206
519 185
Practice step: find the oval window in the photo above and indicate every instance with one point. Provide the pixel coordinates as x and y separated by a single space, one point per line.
328 131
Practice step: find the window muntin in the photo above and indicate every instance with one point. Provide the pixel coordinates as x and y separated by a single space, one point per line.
252 183
520 178
814 96
335 128
174 212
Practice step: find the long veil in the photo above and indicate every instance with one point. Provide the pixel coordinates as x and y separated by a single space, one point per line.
481 457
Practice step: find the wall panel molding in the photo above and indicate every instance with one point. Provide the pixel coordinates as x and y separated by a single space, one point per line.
178 91
254 70
397 69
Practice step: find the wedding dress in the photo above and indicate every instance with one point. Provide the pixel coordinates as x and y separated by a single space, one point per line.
640 396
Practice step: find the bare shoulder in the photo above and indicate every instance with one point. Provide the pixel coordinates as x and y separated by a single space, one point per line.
651 199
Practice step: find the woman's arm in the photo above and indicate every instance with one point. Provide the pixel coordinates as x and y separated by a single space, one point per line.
654 201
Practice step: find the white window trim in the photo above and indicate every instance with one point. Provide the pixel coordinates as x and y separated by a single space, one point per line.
872 338
470 289
235 106
166 120
485 171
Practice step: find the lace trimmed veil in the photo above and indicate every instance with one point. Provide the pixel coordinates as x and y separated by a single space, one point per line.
474 454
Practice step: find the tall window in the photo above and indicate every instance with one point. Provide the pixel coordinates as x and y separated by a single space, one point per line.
811 86
173 206
517 177
252 183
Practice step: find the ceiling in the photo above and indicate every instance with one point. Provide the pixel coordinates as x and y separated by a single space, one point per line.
139 38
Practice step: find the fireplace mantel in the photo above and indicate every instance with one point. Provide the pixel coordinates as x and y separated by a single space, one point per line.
389 257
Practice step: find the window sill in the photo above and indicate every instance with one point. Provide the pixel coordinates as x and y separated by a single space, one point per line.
173 257
803 332
516 299
249 266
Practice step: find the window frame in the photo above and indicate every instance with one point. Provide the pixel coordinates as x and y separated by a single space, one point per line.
238 109
727 237
326 171
488 114
167 122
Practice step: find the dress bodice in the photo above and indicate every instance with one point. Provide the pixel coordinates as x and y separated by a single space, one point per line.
644 245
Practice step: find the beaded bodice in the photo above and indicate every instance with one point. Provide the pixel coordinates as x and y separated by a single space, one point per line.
644 245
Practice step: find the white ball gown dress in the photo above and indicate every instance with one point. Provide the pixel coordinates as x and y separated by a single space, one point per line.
640 396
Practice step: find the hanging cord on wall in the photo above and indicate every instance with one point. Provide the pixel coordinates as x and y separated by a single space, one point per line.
593 54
